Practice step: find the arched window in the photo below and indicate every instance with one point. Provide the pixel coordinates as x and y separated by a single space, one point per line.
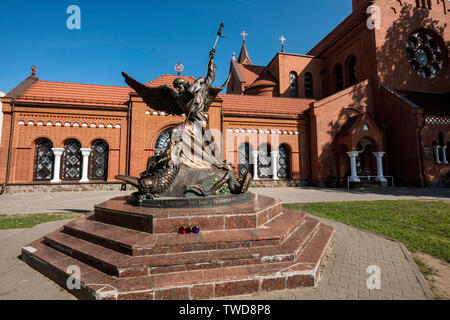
309 85
71 161
264 161
283 162
293 84
244 165
162 143
339 73
98 161
352 71
43 160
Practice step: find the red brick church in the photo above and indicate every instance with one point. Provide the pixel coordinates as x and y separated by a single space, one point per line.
370 101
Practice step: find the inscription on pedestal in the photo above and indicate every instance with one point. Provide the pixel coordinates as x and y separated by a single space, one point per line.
210 201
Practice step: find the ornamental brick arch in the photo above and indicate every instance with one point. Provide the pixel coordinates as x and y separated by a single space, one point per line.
150 145
358 128
100 138
35 139
82 140
371 140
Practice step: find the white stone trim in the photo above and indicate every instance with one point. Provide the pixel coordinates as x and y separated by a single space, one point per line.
85 153
437 155
354 175
274 155
380 176
57 152
444 155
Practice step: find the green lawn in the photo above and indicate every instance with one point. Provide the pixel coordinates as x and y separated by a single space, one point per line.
15 221
421 225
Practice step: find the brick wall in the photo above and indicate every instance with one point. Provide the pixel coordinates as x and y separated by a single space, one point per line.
398 22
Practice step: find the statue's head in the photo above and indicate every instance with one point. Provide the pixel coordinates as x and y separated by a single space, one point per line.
180 84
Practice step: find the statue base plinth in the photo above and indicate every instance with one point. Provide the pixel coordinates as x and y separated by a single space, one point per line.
192 202
129 252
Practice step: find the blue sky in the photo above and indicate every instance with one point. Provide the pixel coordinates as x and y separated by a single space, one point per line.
146 38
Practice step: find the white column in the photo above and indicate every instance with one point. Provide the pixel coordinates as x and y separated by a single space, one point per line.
57 152
354 174
85 152
255 164
444 154
436 153
274 155
380 175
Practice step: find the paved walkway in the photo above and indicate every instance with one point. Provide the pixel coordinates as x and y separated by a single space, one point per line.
39 202
85 201
18 281
344 275
309 194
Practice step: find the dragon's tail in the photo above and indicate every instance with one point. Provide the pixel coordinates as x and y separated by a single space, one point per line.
128 179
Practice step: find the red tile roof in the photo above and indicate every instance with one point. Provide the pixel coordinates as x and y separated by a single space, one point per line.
102 95
75 93
250 72
167 79
245 104
265 79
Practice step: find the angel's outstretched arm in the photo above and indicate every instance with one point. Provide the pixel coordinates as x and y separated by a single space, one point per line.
211 69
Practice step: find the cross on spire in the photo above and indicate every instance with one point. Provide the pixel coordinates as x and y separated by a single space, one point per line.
244 34
282 39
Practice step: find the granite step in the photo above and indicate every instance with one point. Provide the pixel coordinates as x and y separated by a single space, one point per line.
95 285
223 259
122 265
232 281
135 252
304 271
99 257
136 243
196 284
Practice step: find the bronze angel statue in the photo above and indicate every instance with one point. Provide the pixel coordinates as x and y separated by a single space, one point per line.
190 165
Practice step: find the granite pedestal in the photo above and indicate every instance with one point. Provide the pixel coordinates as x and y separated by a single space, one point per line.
129 252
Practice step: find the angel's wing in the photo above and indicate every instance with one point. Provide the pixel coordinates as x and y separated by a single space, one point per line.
161 98
213 92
